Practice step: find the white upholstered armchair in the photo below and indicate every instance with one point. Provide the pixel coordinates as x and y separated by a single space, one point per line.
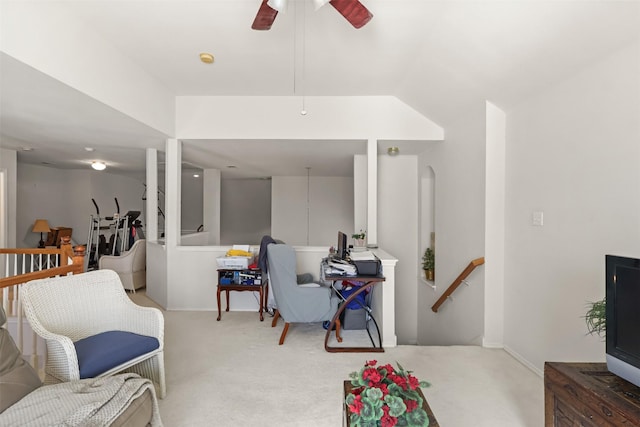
131 266
92 329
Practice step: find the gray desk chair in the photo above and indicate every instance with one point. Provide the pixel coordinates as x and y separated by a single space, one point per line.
297 303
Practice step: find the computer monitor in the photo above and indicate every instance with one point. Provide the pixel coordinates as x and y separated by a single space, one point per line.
342 245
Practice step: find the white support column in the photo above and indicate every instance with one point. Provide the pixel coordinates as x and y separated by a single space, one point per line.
172 194
151 204
384 301
372 192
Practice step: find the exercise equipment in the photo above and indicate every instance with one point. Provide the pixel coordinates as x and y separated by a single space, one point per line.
121 228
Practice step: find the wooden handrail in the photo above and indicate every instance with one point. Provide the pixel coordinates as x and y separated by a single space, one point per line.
65 251
472 265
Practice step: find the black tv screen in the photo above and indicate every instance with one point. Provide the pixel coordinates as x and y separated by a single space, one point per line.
623 317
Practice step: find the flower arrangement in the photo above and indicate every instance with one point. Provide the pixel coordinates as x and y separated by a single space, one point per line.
384 396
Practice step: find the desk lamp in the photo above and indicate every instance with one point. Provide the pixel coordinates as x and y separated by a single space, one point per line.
41 226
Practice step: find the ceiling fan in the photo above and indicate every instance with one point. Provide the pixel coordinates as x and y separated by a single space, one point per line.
352 10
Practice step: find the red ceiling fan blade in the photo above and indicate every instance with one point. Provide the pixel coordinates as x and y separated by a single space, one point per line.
265 17
353 11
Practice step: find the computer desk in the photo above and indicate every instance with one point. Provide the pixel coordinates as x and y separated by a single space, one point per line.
369 283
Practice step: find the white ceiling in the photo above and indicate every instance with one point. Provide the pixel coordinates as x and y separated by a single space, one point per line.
437 56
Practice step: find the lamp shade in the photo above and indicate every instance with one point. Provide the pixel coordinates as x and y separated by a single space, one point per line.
41 226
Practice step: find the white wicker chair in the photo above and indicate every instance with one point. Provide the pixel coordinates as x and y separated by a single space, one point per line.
131 266
63 310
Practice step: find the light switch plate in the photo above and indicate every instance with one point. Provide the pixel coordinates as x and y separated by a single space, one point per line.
537 219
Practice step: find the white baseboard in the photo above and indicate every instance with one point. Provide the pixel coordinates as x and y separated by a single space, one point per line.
487 344
524 361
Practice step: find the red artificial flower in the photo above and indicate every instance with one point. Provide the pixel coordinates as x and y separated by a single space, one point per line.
388 368
400 381
372 375
387 420
370 363
384 389
414 383
357 405
411 405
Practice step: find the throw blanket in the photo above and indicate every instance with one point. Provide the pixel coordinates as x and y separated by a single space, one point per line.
89 402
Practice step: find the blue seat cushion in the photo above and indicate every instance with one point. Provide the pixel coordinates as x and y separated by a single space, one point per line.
104 351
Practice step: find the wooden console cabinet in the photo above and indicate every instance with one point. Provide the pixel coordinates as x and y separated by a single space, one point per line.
586 394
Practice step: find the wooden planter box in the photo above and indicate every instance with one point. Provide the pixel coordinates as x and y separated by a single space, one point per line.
345 411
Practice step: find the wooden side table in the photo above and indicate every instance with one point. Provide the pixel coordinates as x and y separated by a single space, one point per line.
588 395
242 281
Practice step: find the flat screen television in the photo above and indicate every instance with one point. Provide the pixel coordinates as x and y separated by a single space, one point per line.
342 245
623 317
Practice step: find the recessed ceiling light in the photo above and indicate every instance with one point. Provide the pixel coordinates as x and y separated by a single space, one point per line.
207 58
99 166
195 175
27 149
89 149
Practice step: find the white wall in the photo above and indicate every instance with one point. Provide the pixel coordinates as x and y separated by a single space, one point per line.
330 209
63 198
245 211
9 167
55 49
573 152
192 202
398 235
157 287
494 228
459 168
278 117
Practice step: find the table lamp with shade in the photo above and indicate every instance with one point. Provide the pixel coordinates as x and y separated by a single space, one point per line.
41 226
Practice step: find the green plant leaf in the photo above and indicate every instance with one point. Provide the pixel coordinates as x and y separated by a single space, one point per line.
396 405
394 389
371 410
350 398
368 423
373 393
596 318
417 418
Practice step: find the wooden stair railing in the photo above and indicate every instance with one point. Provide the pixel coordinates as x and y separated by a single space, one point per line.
472 265
20 265
65 252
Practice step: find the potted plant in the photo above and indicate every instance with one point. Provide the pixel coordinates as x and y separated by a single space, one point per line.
596 318
359 238
429 264
381 395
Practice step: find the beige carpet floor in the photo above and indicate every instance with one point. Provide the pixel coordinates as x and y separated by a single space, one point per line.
234 373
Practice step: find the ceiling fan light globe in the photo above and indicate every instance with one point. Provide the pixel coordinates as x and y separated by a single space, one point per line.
279 5
319 3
